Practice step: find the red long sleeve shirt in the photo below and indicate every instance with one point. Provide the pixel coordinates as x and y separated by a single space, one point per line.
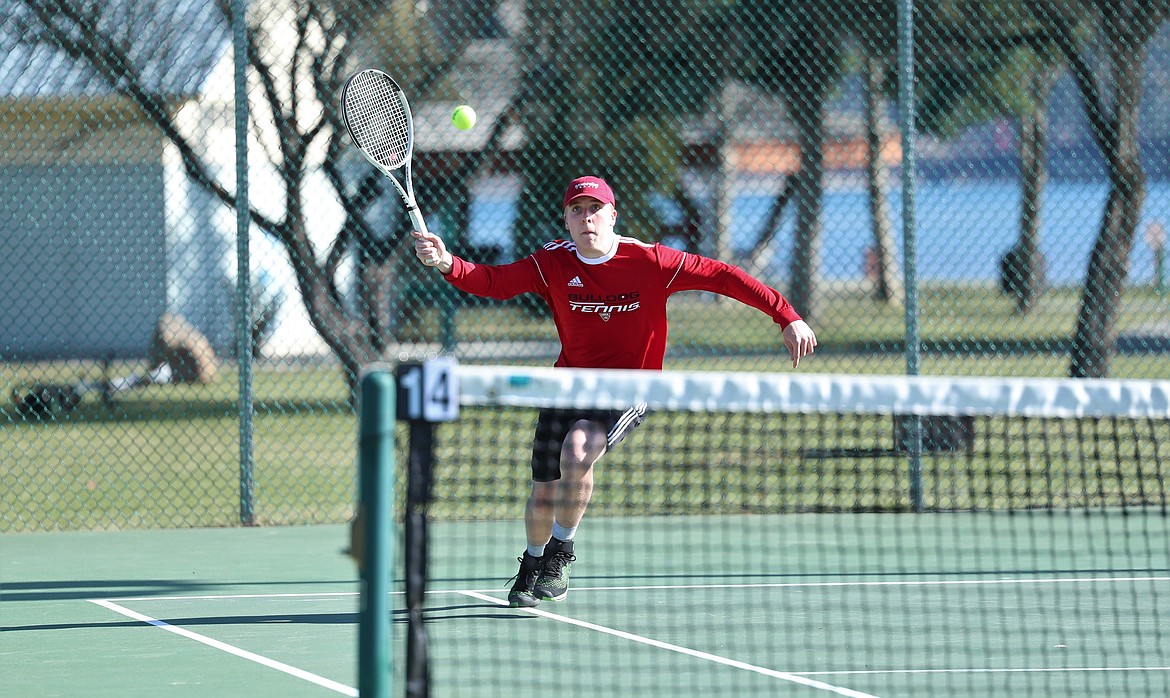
611 312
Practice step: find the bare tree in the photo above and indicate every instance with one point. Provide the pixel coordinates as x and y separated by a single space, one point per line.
887 278
1024 268
1105 44
298 55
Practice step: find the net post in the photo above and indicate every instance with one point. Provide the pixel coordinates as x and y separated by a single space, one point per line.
376 482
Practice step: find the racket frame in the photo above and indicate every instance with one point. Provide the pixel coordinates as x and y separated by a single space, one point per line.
406 186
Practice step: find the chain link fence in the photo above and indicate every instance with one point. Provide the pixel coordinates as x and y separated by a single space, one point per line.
763 133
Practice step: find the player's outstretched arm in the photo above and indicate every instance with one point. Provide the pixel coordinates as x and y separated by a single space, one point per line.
800 340
432 251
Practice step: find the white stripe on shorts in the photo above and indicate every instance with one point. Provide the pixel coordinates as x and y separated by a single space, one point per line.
630 419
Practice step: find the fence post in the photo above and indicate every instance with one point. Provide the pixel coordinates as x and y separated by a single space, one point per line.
243 262
906 110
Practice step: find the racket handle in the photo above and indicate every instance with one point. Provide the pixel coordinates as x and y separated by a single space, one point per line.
416 219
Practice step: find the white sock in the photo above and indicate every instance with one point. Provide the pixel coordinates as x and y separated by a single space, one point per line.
536 550
561 533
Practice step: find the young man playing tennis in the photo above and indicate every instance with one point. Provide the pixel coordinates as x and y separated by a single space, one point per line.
608 298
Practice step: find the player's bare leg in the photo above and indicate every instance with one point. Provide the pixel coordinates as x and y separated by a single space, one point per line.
585 443
538 513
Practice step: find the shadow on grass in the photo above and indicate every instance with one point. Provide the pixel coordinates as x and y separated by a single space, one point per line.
171 410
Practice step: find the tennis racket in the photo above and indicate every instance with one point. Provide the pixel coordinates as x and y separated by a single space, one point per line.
377 117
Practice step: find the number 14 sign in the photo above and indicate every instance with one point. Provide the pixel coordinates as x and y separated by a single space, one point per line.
428 392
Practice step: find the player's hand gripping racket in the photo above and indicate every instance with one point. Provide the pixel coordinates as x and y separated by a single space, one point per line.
377 117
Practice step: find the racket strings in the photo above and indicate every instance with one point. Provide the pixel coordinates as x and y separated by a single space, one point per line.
378 120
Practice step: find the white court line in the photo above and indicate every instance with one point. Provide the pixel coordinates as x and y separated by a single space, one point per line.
798 677
230 649
1049 670
793 678
662 587
481 594
880 583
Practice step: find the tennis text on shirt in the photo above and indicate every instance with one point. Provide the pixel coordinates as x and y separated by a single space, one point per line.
606 305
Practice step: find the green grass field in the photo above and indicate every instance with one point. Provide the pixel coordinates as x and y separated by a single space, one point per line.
170 456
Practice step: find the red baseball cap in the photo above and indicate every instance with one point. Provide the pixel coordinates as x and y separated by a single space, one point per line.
595 187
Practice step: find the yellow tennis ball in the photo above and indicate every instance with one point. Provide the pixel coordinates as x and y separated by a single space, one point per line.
463 117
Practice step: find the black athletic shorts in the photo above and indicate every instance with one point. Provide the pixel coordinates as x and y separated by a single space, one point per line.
552 426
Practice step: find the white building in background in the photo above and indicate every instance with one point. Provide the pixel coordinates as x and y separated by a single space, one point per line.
101 231
104 230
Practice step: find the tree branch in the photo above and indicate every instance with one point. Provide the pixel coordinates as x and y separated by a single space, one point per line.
112 64
1104 128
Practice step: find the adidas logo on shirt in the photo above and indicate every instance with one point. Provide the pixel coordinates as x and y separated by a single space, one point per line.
575 282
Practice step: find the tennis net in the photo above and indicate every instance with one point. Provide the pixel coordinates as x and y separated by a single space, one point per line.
765 534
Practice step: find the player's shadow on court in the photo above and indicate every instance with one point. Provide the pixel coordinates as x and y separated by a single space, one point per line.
436 613
470 611
91 588
66 590
349 618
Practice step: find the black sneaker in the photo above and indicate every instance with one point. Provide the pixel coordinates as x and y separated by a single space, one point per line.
521 595
553 584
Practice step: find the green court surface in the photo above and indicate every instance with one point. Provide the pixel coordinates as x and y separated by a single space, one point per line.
966 604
